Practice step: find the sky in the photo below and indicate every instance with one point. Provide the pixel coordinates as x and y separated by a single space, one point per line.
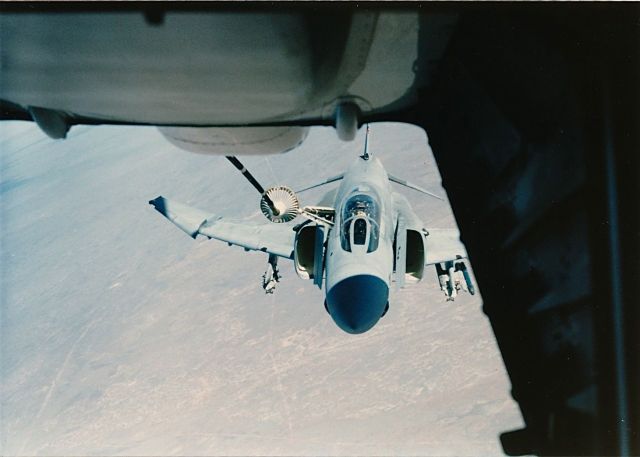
120 335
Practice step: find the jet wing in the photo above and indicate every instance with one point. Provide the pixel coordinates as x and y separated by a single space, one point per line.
277 239
443 245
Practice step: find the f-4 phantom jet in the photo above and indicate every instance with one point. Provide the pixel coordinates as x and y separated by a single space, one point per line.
367 241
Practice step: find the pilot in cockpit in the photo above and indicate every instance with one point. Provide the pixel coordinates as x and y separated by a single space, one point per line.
360 223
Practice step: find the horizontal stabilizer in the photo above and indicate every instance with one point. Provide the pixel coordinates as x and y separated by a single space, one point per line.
188 219
404 183
328 181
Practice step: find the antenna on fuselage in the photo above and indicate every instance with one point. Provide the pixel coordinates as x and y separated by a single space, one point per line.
365 155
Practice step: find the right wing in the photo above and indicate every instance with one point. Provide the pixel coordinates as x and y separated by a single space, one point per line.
277 239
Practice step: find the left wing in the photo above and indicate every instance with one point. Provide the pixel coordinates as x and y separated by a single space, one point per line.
443 245
440 245
277 239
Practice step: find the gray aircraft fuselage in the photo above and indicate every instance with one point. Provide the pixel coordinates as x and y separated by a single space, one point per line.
359 255
368 239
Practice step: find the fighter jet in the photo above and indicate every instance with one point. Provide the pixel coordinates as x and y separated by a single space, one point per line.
367 241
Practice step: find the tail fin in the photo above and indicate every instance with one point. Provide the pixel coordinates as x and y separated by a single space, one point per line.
365 155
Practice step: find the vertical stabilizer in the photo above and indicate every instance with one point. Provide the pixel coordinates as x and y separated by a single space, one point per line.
365 155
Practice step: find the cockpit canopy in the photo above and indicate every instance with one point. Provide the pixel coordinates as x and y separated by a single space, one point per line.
360 223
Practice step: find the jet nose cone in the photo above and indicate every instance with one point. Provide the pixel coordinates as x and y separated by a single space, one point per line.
358 302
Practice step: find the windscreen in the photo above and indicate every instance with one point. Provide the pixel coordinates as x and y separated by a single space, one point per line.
360 216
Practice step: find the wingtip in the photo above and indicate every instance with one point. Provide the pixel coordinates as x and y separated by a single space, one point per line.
159 204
